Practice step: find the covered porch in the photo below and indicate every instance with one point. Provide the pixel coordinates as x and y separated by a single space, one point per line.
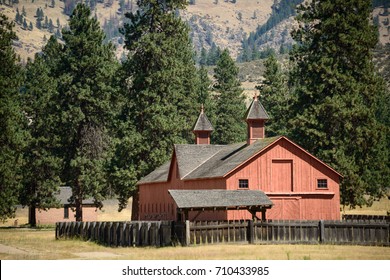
200 201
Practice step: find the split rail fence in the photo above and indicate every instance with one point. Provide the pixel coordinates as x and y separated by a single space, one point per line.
168 233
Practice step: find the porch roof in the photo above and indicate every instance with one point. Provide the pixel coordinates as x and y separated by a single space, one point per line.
220 199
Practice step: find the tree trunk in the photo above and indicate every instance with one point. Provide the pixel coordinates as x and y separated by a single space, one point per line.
78 202
32 216
79 209
134 206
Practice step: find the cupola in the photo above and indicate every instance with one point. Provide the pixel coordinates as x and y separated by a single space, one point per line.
202 129
255 118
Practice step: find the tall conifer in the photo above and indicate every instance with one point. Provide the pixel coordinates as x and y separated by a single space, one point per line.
230 102
275 97
160 89
336 90
42 168
13 122
83 110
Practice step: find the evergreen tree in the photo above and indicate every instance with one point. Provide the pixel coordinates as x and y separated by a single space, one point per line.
17 16
38 24
336 90
51 26
275 97
160 90
230 102
203 57
204 94
213 55
13 122
46 24
84 68
41 173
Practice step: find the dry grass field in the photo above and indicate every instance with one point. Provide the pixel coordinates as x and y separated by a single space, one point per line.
22 244
381 207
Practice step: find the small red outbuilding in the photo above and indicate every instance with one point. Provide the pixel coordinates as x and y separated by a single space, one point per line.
300 186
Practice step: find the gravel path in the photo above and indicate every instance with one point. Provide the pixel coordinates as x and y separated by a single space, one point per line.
11 250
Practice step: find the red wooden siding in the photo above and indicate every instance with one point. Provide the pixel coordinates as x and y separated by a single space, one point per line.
202 137
289 176
54 215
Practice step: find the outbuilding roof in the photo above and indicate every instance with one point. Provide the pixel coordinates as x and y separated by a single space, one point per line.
64 195
220 199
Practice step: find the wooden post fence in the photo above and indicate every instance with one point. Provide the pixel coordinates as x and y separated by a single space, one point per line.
168 233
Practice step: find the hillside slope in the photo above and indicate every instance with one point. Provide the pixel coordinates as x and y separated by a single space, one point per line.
211 21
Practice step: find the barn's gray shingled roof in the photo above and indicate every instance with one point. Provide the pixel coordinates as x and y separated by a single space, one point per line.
208 161
219 198
160 174
203 123
256 111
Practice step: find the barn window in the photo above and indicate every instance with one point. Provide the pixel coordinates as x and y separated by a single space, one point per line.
66 212
322 183
243 184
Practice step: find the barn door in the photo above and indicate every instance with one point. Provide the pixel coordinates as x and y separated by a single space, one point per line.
282 176
285 209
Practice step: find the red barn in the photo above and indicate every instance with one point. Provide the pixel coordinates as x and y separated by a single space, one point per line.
300 186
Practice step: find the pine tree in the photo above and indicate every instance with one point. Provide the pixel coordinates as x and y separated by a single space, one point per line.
204 94
46 24
17 16
160 88
203 57
336 91
51 26
13 123
275 97
41 173
230 102
84 68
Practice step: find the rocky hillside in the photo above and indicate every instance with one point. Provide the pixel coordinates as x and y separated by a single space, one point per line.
224 23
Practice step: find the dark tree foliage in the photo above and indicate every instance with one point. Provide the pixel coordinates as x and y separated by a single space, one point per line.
230 102
13 122
84 106
204 96
41 173
159 91
209 58
275 97
337 91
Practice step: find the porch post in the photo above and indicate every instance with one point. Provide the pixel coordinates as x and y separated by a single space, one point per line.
263 214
